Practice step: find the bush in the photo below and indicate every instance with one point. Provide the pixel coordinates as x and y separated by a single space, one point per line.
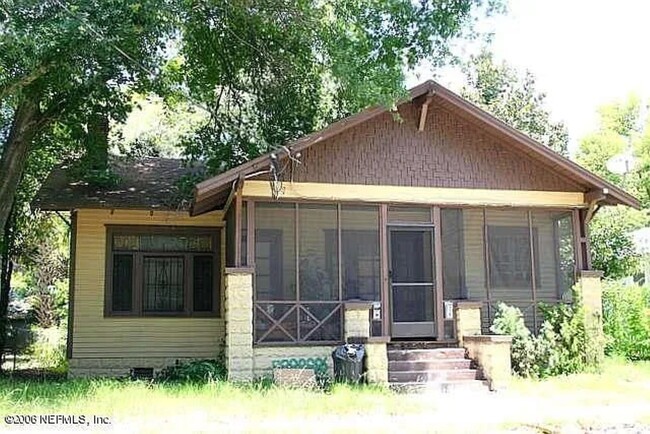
48 349
508 320
626 320
561 347
195 371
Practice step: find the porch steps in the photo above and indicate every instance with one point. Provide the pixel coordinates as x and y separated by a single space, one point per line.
419 367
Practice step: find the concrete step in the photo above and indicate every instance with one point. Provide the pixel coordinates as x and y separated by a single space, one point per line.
426 354
429 365
462 386
433 376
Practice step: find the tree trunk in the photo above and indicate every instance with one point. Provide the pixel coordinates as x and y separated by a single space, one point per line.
24 128
6 269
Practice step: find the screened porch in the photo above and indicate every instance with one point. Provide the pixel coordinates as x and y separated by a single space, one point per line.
410 262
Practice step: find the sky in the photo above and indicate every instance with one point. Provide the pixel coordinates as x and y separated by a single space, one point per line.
583 53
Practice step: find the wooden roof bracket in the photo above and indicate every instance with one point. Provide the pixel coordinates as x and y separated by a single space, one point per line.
424 110
593 199
234 189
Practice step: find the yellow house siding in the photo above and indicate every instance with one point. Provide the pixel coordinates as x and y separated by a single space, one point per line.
96 336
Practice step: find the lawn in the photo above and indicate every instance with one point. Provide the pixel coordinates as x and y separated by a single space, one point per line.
618 396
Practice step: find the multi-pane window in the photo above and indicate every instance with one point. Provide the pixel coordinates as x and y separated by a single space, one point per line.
162 271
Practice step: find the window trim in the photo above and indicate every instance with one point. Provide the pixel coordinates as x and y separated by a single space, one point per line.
137 294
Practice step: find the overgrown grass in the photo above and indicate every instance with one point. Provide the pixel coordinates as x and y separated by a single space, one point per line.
104 396
620 394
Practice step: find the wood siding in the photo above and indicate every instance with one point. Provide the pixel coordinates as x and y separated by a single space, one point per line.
96 336
451 152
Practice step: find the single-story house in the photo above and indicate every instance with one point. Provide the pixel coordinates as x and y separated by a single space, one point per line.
382 227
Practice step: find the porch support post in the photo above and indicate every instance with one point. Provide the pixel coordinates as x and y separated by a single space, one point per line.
356 321
239 323
467 317
589 294
357 326
377 360
438 299
386 309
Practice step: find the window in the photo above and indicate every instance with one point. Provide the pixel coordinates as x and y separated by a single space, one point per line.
162 271
510 257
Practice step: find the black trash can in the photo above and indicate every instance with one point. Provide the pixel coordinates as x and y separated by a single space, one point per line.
348 363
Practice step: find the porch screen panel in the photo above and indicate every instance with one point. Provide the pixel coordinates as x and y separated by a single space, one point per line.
275 251
318 250
244 234
510 264
474 254
360 252
566 265
453 267
546 254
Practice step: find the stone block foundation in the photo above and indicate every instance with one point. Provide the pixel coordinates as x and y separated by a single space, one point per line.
492 355
467 319
239 323
118 367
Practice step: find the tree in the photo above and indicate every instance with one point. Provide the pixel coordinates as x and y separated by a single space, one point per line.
514 99
285 69
59 67
618 133
265 71
612 249
60 71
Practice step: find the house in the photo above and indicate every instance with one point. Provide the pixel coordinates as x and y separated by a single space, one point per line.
379 227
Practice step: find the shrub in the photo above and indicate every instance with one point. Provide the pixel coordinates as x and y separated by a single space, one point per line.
562 346
195 371
626 320
48 348
508 320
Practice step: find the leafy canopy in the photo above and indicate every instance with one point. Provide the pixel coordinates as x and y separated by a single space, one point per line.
270 71
514 99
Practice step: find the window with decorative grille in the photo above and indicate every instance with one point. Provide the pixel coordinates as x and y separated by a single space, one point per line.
162 271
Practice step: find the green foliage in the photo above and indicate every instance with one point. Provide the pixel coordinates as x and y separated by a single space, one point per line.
626 320
612 247
48 350
562 346
285 69
621 131
513 98
43 256
195 371
508 320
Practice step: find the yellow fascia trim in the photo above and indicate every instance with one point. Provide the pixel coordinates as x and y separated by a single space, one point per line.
416 195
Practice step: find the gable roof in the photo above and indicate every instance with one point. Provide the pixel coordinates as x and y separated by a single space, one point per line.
212 193
146 183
